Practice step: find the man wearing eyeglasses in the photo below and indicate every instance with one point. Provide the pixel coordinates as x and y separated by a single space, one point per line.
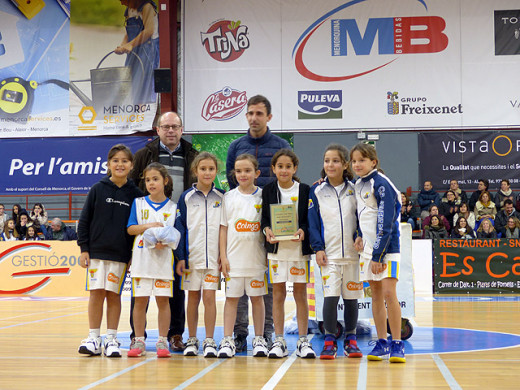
176 154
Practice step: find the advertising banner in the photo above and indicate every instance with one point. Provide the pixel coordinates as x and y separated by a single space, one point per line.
477 266
338 65
41 268
469 157
30 166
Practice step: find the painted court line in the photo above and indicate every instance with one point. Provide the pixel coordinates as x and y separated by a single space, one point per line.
31 314
280 373
450 380
110 377
42 320
362 375
194 378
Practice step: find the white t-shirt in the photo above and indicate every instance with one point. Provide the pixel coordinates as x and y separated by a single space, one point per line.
151 263
289 250
241 213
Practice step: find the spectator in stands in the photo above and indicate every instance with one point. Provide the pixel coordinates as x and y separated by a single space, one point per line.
503 215
32 234
407 210
483 185
435 229
450 207
465 212
434 210
460 195
505 192
3 218
486 229
513 228
427 197
462 229
10 233
17 209
38 214
485 207
23 223
60 231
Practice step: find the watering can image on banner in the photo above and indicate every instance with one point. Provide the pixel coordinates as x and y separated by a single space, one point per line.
110 86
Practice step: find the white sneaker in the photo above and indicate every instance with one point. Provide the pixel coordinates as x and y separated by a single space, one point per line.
90 346
227 348
192 347
279 349
209 347
304 348
111 347
259 347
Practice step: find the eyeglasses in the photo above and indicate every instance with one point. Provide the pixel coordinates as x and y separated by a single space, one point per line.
168 127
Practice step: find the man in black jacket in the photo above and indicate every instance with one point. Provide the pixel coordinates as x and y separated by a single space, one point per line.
503 215
176 154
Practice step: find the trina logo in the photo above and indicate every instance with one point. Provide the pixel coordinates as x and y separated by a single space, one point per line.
353 286
246 226
225 41
297 271
224 104
257 284
211 279
162 284
112 278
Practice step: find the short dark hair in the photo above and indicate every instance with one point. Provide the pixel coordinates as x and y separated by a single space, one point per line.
508 201
257 99
485 181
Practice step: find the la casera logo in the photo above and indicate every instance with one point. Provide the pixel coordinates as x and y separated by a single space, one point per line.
225 40
395 36
224 104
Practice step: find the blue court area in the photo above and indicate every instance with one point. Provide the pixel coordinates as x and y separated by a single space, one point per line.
425 340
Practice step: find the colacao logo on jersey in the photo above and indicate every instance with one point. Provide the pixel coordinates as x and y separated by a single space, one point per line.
395 36
320 104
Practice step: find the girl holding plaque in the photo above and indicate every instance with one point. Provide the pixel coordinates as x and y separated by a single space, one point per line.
288 260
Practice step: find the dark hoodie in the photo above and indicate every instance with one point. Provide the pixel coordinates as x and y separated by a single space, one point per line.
103 220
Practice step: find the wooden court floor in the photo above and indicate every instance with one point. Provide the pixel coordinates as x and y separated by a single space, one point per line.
39 340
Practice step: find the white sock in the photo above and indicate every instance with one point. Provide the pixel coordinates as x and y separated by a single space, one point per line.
112 333
164 339
94 333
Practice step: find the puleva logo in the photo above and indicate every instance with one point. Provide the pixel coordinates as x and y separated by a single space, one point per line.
224 104
320 104
225 41
396 35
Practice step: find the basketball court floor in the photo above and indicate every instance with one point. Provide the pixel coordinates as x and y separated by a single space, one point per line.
459 342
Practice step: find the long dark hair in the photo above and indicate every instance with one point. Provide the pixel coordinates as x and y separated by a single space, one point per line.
168 181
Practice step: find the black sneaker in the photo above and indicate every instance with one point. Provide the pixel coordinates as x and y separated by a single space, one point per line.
240 343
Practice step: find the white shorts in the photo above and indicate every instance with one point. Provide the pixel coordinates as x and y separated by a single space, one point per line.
200 279
251 286
392 260
106 275
342 280
146 287
288 271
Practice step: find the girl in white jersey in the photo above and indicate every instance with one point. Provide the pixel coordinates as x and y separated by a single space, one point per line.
332 228
242 254
379 208
198 222
151 220
288 259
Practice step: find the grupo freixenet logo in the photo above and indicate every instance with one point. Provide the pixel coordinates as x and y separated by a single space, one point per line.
395 36
320 104
507 32
417 105
224 104
225 40
45 264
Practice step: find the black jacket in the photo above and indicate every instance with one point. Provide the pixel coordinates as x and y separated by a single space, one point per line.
271 195
103 220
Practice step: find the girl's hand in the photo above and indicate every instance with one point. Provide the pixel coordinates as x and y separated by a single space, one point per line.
124 48
299 236
358 244
321 258
84 259
376 267
225 267
181 267
160 245
269 236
